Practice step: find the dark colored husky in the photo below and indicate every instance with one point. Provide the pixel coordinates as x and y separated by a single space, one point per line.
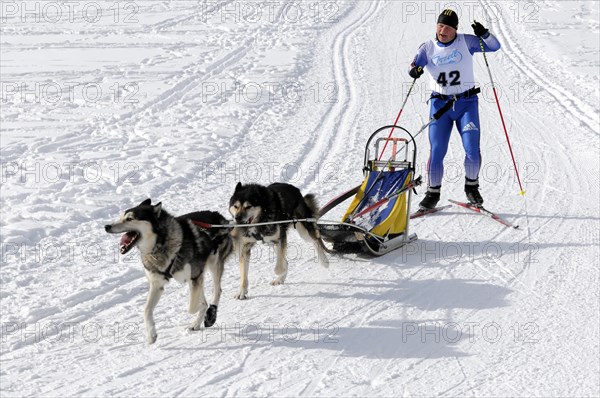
175 247
252 204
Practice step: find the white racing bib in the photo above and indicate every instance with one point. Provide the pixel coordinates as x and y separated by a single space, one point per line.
450 68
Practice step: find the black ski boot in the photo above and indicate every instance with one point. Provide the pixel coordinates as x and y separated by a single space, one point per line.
472 191
431 199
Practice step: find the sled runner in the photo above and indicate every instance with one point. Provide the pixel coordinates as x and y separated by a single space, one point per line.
377 219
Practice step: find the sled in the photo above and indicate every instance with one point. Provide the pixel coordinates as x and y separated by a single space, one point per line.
377 220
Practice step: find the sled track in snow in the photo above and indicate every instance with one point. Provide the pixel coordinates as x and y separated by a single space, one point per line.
176 93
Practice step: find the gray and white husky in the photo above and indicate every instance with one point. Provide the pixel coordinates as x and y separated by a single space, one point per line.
253 204
176 247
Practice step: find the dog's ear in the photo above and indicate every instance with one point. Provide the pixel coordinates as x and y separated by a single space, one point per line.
146 202
157 209
238 186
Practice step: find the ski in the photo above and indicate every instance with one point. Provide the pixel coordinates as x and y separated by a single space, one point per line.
485 212
421 213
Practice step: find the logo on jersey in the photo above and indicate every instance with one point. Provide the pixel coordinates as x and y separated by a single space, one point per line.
470 126
454 58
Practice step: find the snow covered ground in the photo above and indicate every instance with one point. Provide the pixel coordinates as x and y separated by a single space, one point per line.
107 103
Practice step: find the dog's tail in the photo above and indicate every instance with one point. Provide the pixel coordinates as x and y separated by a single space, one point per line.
311 203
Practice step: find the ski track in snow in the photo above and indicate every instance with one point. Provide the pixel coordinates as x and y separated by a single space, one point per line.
368 326
335 127
564 98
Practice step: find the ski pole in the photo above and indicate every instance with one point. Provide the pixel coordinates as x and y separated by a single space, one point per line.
398 117
522 192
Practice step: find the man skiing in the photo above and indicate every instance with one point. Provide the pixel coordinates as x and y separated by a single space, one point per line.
449 61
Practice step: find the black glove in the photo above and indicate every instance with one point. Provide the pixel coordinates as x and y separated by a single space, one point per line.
416 72
479 29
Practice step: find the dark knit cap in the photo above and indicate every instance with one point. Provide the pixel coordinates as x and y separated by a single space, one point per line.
448 17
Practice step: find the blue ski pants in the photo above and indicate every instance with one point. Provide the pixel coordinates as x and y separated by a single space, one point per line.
465 115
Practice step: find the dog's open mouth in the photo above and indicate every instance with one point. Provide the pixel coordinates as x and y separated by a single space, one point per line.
244 222
128 241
